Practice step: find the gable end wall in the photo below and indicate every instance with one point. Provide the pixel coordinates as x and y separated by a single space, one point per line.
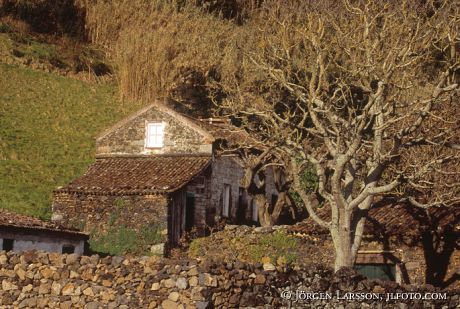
130 138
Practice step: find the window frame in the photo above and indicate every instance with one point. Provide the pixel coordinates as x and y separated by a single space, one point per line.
160 124
362 268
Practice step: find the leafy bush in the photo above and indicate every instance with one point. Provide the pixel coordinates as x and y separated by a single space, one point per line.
309 181
151 234
120 240
196 248
278 246
4 28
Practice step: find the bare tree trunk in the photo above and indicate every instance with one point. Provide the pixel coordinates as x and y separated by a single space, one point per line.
278 207
268 214
342 239
263 207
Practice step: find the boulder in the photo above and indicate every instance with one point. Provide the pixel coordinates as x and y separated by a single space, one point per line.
158 249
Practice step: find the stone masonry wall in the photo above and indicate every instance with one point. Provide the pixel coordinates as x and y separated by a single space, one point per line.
413 260
225 170
89 212
201 188
130 138
50 280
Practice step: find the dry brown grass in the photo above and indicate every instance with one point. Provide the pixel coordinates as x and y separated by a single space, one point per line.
161 50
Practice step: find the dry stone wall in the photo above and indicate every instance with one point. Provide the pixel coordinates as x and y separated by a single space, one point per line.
50 280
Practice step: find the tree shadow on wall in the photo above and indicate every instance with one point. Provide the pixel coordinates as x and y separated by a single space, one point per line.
440 238
435 230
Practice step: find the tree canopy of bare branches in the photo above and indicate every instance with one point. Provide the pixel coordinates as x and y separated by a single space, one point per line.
365 93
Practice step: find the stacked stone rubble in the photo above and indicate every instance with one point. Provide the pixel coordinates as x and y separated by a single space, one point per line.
50 280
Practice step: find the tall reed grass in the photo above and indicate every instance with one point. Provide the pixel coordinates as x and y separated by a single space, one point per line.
164 48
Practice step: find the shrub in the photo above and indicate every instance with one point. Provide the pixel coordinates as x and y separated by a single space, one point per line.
278 246
118 240
151 234
196 248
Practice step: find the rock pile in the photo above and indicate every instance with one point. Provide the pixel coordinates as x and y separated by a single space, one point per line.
50 280
245 243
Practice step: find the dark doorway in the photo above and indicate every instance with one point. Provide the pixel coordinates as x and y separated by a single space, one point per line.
8 244
189 211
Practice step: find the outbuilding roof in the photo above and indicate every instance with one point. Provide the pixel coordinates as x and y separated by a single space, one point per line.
394 219
124 175
11 220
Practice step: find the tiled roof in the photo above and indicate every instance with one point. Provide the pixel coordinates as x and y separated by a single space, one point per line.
390 220
138 174
12 219
221 128
233 135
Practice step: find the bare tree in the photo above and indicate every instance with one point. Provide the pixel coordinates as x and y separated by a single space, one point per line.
351 88
256 167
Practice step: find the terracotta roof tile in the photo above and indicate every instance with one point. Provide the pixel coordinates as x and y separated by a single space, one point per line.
12 219
222 129
138 174
390 220
233 135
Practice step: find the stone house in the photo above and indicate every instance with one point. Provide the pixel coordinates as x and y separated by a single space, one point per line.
159 167
23 233
401 243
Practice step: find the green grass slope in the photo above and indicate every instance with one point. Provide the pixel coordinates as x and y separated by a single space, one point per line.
47 129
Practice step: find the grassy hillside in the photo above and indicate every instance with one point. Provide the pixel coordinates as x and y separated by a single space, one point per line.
47 128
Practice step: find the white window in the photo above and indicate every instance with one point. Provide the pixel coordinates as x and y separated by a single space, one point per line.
155 135
226 201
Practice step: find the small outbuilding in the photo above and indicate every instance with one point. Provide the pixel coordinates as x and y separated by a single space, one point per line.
23 233
401 243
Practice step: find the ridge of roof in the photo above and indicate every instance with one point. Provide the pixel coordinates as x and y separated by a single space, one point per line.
160 105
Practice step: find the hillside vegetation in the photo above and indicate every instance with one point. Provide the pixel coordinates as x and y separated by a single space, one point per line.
56 86
209 55
47 124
